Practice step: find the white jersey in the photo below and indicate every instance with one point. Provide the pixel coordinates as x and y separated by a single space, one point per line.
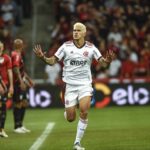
77 62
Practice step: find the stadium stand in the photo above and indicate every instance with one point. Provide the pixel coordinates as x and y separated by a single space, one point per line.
12 14
124 24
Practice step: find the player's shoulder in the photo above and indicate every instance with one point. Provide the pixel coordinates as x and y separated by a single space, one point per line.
6 57
68 43
14 53
89 44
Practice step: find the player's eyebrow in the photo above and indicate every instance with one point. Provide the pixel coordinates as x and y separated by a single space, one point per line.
76 30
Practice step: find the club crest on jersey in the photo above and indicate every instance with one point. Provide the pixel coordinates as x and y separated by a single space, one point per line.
86 53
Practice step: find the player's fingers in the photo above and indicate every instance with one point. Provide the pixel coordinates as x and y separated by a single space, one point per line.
40 46
107 54
37 49
36 46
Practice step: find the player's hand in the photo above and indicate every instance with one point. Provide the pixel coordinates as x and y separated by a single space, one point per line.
38 51
30 83
10 92
110 56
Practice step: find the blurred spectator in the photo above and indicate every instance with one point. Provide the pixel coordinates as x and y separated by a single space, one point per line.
115 35
114 68
19 14
8 11
121 23
27 8
53 73
11 17
127 68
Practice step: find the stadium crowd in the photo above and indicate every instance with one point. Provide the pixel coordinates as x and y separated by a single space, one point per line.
120 24
12 13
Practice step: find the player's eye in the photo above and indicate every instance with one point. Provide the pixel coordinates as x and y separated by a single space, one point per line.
76 30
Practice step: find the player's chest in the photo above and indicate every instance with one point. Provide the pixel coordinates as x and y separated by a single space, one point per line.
17 59
2 61
74 52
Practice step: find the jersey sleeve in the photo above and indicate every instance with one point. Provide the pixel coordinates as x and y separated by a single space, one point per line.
96 53
60 52
9 63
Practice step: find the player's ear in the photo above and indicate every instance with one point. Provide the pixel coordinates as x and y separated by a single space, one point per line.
84 34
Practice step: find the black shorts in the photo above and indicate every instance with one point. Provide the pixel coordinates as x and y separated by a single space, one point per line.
19 95
3 98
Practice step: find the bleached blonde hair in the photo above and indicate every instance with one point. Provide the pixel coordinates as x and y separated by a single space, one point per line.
18 43
80 25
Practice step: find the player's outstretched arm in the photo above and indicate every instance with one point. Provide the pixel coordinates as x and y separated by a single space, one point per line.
107 60
39 53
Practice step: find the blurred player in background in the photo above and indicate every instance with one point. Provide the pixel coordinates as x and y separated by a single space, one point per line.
21 83
77 56
6 86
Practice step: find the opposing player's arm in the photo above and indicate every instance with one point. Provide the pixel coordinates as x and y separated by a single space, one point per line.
3 87
39 53
2 90
10 76
18 74
29 82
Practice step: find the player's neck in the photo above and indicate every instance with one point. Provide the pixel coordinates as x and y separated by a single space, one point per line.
79 43
18 50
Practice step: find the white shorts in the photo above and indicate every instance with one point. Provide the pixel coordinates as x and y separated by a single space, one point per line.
74 93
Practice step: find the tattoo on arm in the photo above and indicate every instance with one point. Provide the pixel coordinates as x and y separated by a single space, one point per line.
10 75
17 72
51 60
103 62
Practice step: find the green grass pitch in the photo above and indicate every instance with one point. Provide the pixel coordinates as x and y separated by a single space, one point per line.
111 128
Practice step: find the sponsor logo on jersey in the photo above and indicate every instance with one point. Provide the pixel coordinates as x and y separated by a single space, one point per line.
78 62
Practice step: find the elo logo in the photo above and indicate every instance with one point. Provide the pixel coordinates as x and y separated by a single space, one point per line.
121 96
42 99
129 96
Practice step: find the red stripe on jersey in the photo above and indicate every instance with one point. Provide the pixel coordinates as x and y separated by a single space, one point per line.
5 65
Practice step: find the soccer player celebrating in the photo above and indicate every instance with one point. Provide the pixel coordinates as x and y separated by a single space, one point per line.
6 86
77 56
21 82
